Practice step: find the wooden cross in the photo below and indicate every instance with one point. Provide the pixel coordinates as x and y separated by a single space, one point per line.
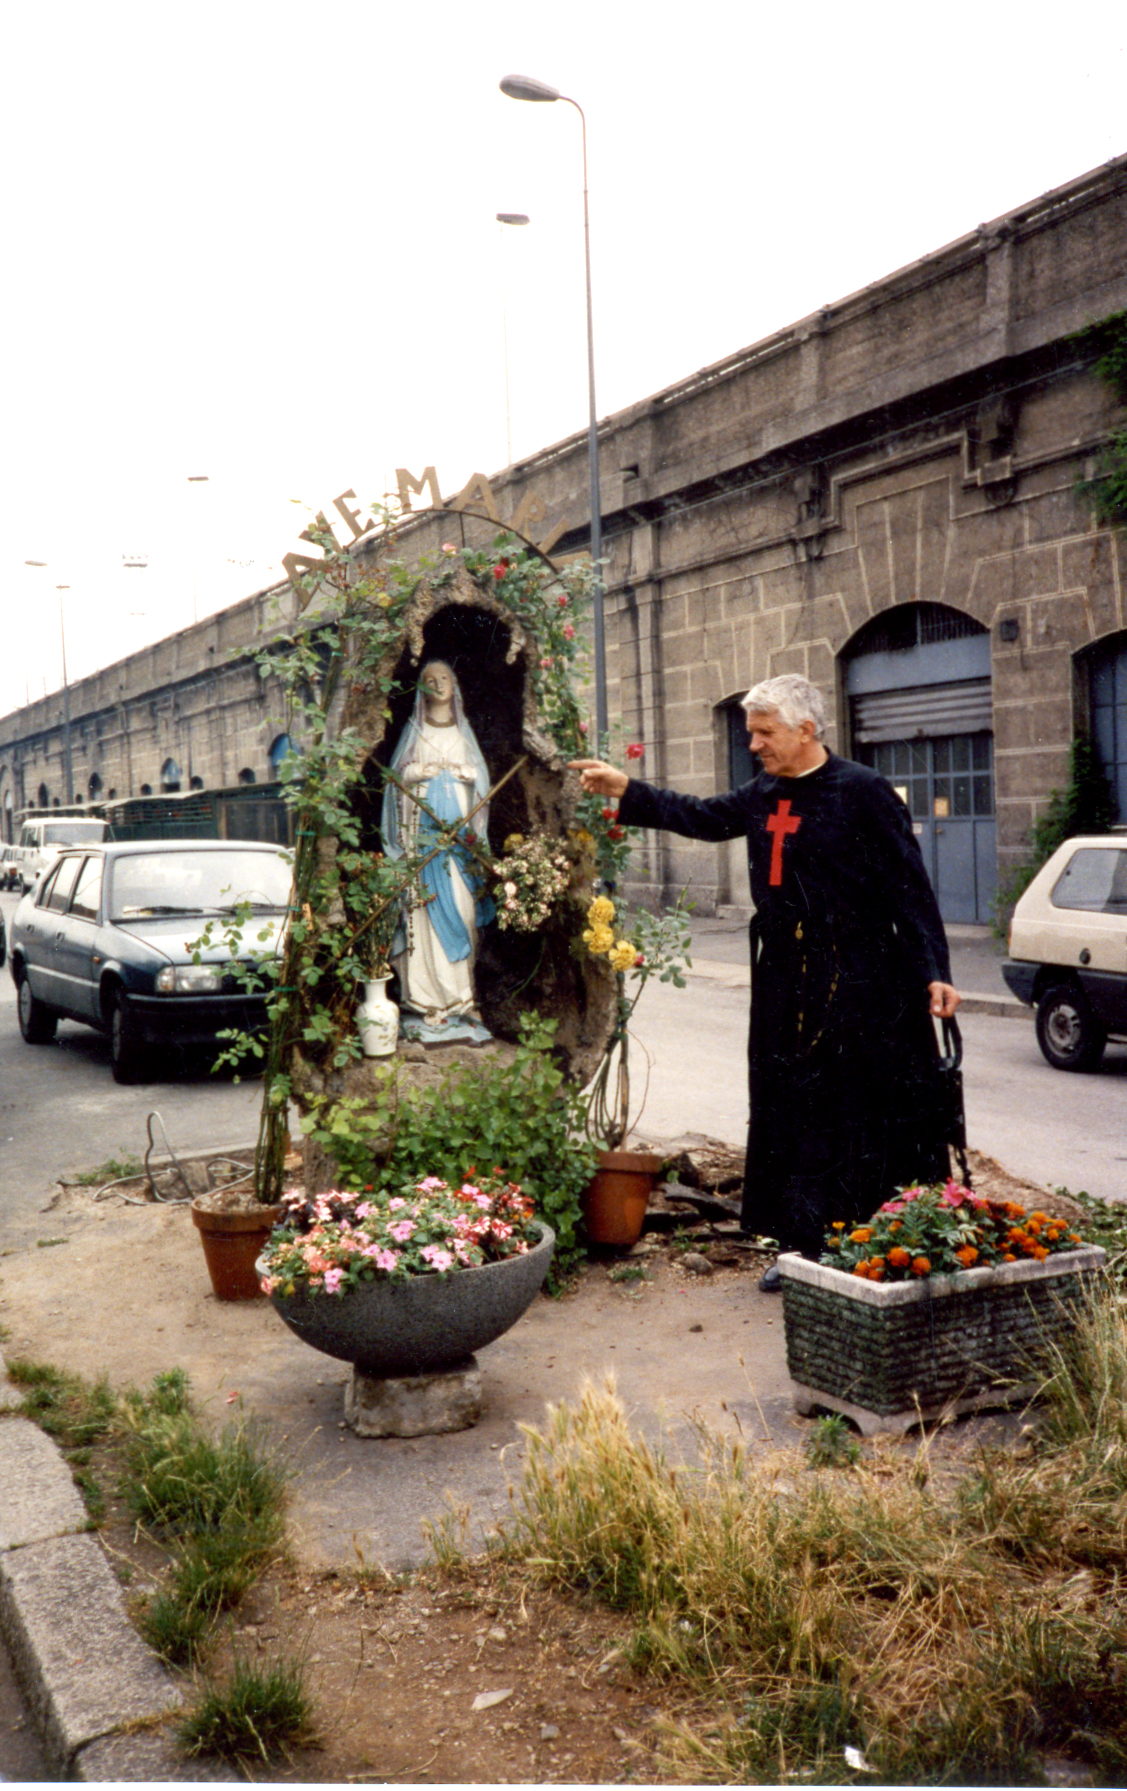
780 824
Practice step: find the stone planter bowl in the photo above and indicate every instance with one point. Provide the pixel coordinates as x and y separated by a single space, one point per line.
394 1329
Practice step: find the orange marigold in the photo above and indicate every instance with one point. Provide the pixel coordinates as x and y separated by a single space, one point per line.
861 1268
921 1265
967 1255
1040 1252
1008 1256
877 1274
899 1257
862 1234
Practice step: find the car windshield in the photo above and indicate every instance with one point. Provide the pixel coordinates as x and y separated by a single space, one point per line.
187 882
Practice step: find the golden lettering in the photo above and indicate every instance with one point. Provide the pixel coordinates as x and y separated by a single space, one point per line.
465 500
406 485
321 522
352 517
531 511
297 563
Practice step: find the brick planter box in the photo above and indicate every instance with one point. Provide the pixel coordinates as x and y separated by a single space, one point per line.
887 1354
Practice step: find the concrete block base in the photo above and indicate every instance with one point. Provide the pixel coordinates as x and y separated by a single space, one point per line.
418 1405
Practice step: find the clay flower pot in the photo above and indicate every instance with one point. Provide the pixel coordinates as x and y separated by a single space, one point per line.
615 1200
233 1238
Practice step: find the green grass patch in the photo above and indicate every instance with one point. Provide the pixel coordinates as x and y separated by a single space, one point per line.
73 1411
260 1713
114 1169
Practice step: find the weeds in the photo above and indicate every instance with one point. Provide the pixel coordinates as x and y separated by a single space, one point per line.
114 1169
938 1636
68 1408
831 1443
261 1712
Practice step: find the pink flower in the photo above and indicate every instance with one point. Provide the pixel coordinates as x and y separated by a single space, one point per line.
635 750
428 1183
333 1279
437 1257
568 631
385 1259
545 665
401 1231
393 1206
448 547
562 600
583 727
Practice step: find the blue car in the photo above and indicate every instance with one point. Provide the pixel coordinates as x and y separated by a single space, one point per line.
107 936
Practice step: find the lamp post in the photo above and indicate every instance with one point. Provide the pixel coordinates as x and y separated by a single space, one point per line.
503 218
67 760
196 479
524 87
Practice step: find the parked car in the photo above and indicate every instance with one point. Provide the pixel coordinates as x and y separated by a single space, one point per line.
41 840
10 868
106 938
1068 950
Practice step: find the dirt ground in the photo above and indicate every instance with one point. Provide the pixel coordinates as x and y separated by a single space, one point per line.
397 1662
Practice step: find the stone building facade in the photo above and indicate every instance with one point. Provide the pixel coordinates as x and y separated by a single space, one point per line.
882 496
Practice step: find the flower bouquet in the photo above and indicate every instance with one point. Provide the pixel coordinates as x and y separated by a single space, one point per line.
944 1230
334 1242
532 878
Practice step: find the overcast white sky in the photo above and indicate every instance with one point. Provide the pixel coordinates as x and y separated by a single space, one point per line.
255 239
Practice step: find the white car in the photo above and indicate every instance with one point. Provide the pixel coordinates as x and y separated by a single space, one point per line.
1068 950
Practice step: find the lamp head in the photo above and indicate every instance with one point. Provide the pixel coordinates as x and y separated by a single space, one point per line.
523 87
511 217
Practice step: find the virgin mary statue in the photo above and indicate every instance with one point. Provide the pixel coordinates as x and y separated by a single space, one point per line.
437 761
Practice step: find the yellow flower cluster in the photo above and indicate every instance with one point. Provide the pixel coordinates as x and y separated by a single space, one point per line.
598 936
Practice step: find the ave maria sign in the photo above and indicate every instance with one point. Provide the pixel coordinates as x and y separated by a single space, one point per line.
475 498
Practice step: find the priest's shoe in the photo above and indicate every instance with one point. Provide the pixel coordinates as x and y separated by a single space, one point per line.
771 1281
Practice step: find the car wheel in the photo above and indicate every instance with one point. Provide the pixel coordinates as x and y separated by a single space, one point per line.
125 1056
1068 1033
37 1022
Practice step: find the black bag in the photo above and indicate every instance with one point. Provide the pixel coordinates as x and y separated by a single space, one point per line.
951 1113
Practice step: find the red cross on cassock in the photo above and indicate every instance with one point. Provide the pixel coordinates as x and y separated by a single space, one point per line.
780 824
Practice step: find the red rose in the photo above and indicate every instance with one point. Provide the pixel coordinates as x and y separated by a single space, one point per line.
609 814
500 569
616 833
636 750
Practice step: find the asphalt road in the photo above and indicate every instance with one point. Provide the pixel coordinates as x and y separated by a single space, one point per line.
61 1111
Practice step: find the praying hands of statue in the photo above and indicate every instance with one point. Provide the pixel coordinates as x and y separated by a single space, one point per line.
600 779
944 1000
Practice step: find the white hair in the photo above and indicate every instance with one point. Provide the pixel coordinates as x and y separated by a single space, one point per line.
792 698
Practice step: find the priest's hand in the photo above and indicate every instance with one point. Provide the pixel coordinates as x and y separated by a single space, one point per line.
944 1000
600 779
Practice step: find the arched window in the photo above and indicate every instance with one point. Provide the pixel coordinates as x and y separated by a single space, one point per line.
44 798
281 749
196 783
146 789
1107 688
94 786
170 776
247 776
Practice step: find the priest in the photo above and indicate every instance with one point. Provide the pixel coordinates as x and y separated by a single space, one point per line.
849 962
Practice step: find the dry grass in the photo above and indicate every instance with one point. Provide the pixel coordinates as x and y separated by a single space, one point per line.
949 1635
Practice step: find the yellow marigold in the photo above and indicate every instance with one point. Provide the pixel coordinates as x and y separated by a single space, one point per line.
601 911
899 1257
921 1265
967 1255
514 840
623 956
598 940
862 1234
838 1225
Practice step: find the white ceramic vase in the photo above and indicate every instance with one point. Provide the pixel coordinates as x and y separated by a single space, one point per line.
378 1019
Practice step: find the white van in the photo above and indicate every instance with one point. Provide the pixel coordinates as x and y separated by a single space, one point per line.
41 841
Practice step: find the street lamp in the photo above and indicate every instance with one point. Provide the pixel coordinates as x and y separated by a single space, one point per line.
196 479
66 689
503 218
523 87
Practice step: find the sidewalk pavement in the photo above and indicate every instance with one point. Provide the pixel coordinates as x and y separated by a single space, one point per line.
682 1348
720 953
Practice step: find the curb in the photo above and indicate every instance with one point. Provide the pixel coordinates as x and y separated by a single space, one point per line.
100 1699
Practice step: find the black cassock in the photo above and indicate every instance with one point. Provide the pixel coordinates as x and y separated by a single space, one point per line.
845 939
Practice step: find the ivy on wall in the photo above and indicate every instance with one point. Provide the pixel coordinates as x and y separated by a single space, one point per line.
1107 489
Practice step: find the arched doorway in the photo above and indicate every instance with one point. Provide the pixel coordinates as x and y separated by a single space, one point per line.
1106 666
918 691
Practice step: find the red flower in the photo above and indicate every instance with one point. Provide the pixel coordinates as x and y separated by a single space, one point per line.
616 833
635 750
500 569
609 814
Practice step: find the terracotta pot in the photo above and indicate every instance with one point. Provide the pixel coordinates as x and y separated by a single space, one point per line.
232 1242
615 1200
